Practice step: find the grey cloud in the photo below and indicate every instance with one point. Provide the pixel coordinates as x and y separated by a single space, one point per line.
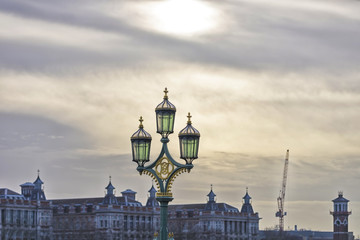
20 131
281 40
264 175
260 173
30 56
69 13
95 169
64 155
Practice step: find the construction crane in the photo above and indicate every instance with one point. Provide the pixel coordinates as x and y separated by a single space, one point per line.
281 199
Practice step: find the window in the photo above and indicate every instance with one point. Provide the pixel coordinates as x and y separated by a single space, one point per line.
131 222
125 222
3 217
137 222
78 209
11 216
66 209
18 217
32 218
89 208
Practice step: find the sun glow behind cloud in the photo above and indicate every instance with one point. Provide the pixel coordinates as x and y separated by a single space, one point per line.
180 17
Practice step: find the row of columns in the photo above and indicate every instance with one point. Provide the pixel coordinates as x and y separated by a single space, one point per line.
16 234
132 223
240 227
18 217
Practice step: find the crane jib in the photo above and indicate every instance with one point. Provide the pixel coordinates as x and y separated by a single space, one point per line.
281 199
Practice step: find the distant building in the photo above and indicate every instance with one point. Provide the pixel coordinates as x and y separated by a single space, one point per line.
214 221
296 235
26 216
341 218
109 217
30 216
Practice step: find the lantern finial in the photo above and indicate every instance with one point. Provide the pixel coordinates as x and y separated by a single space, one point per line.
141 120
189 118
166 91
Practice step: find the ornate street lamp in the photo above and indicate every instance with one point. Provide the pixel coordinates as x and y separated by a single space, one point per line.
165 169
189 142
140 142
165 116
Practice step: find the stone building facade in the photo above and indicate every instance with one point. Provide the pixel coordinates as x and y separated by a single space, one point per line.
214 221
26 216
30 216
110 217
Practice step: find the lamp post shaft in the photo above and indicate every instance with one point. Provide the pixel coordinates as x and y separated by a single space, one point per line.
164 203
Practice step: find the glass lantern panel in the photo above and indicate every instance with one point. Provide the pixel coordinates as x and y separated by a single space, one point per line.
170 121
165 122
189 148
141 151
158 123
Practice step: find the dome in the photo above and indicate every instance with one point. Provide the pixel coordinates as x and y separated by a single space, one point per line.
246 207
110 187
38 181
189 130
141 133
27 184
340 198
165 104
247 197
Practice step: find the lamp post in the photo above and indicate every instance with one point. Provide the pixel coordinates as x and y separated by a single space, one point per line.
165 169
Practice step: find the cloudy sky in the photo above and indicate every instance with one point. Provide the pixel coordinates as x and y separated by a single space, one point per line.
258 77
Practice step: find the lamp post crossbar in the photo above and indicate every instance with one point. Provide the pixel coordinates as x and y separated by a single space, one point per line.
164 183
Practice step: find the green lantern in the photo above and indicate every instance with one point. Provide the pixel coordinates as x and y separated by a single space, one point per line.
189 142
165 116
140 144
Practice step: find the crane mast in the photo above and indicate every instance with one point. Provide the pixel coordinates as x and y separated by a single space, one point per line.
281 199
